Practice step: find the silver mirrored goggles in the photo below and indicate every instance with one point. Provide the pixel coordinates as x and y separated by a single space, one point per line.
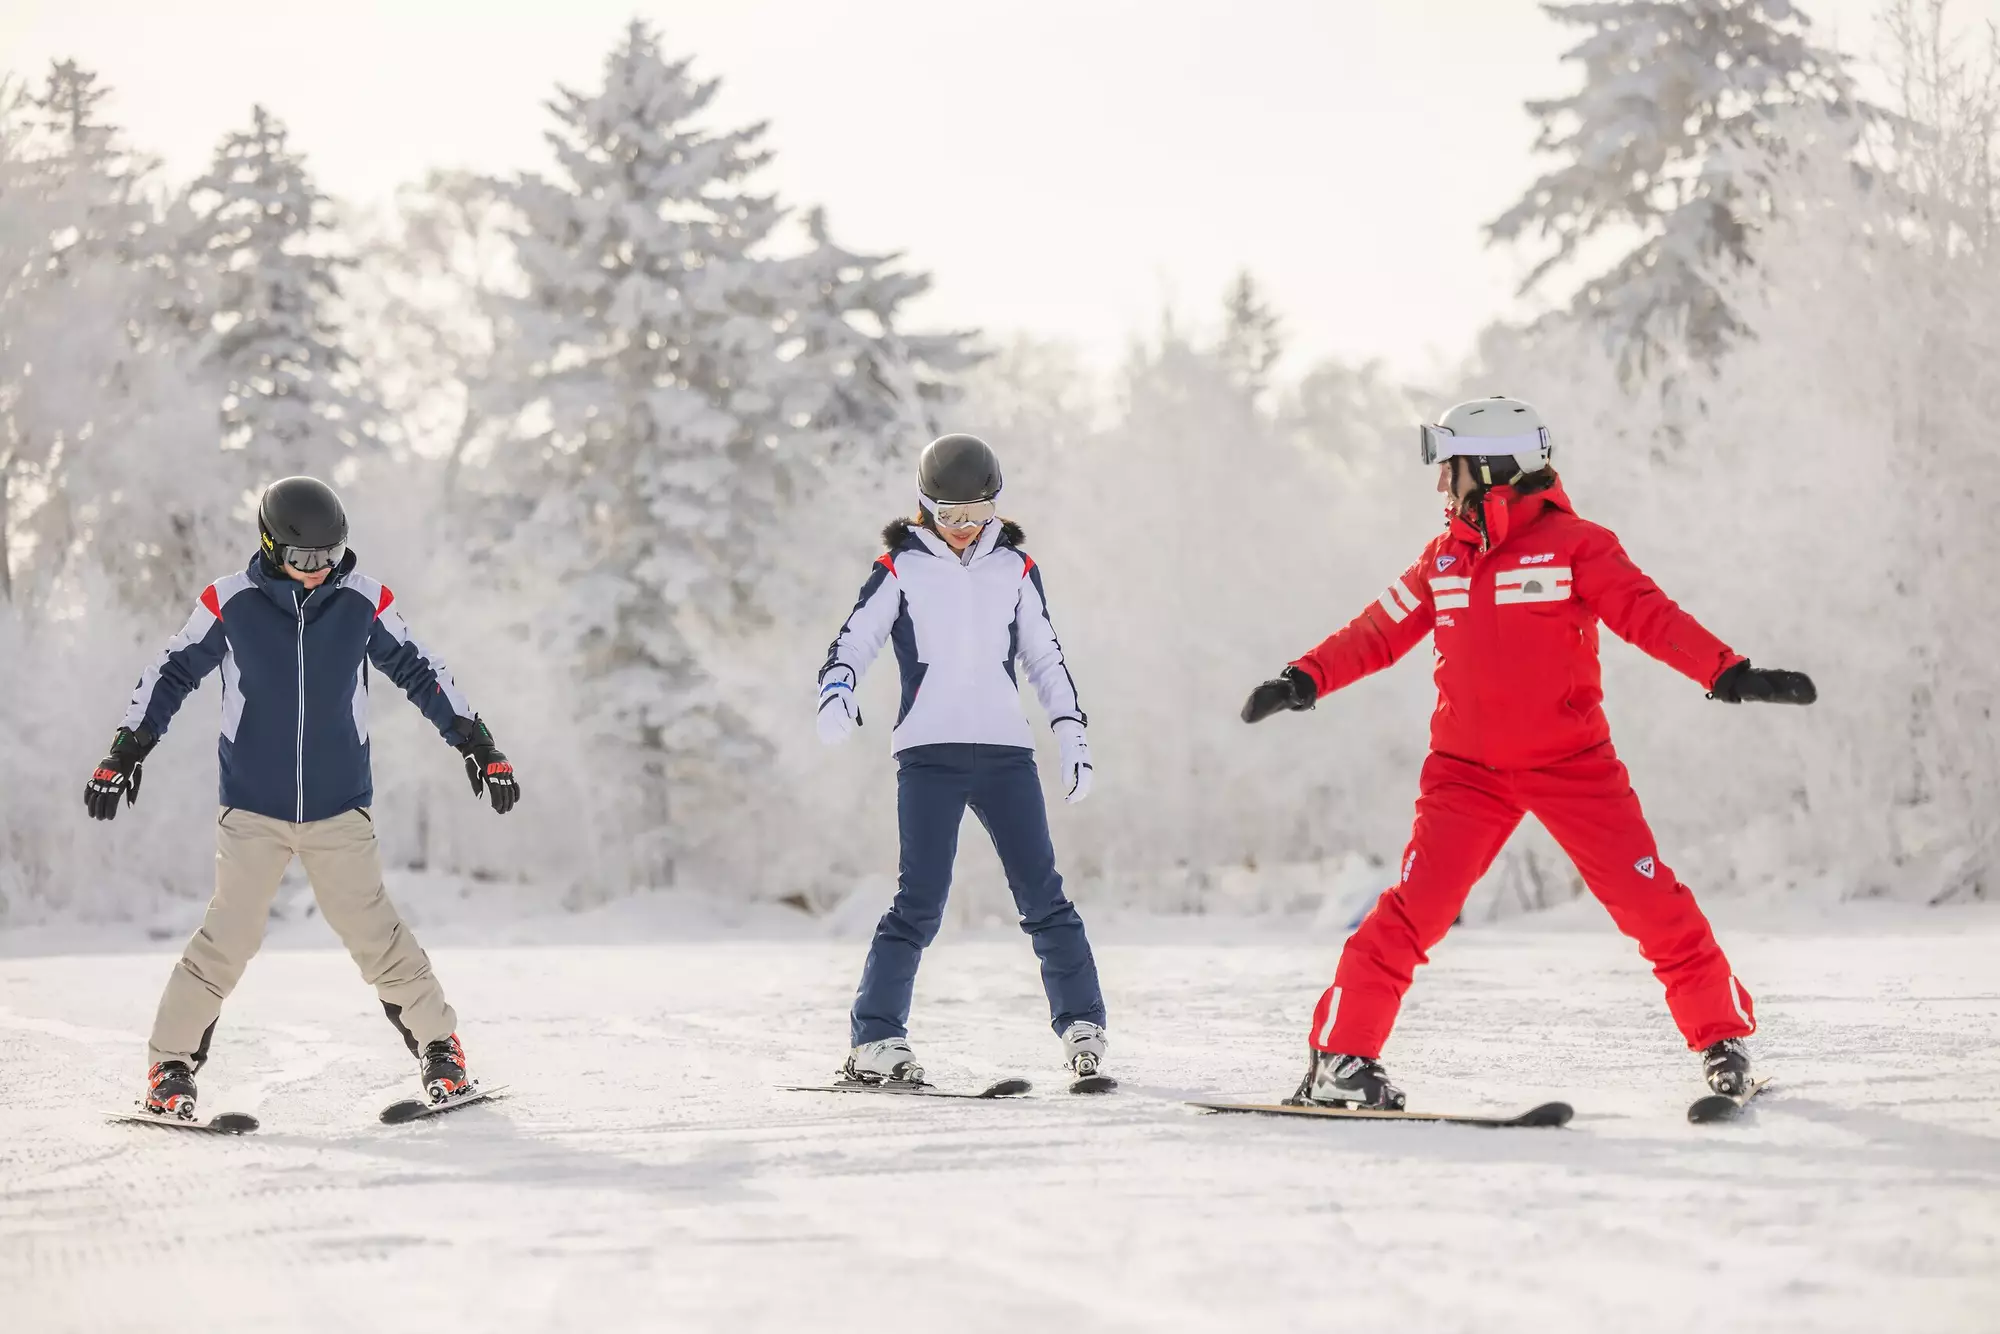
309 559
967 514
1437 443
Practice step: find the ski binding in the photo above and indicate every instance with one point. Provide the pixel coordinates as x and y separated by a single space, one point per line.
1724 1106
223 1123
415 1109
1548 1114
1005 1088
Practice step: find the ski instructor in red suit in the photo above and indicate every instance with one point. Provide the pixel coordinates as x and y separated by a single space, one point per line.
1514 589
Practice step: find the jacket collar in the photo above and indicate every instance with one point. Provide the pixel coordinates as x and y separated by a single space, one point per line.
1506 512
989 538
282 589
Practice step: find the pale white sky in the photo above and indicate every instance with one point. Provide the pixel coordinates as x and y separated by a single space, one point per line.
1060 167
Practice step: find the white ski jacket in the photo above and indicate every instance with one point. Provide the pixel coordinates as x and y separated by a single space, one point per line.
958 627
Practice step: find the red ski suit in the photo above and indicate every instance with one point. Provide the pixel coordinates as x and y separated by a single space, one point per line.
1519 729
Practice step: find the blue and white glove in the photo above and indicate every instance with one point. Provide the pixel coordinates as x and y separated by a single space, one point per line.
839 714
1076 770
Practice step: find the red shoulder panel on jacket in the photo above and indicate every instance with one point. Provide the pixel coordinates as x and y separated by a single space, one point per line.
210 601
1027 564
887 560
382 603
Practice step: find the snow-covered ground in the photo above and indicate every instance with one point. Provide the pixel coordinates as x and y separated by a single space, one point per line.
647 1174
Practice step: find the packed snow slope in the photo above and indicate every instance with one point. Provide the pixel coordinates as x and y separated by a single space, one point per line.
646 1172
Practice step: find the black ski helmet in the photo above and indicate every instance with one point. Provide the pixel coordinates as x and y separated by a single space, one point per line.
300 512
957 470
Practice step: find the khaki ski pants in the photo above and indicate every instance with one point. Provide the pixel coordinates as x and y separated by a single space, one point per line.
345 867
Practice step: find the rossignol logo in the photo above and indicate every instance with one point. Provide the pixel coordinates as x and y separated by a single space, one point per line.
1644 866
1446 562
1408 863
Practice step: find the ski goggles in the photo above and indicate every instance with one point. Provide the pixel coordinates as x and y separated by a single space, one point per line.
965 514
1437 443
308 560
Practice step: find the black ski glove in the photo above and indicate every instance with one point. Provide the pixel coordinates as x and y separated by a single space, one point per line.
1744 684
485 765
117 774
1290 689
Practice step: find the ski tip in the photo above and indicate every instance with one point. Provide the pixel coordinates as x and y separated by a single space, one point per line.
1094 1084
1722 1106
1715 1107
412 1109
225 1123
1007 1088
1548 1114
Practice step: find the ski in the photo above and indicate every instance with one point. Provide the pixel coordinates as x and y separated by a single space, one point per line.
223 1123
1006 1088
1548 1114
415 1109
1724 1106
1094 1084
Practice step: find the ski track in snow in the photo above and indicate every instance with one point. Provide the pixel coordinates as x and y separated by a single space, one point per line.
645 1172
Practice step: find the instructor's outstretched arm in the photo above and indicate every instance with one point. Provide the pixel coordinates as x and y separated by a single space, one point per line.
1388 628
1640 613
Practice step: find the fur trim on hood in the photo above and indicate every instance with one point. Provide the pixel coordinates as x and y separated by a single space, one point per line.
898 530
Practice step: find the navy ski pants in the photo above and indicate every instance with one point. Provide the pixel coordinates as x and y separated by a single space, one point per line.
933 787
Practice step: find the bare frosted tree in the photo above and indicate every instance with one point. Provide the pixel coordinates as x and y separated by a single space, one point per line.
103 455
426 298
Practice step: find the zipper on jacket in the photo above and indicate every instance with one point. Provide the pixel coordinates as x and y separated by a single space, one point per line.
299 751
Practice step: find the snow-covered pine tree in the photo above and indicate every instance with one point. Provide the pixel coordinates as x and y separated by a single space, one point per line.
648 336
263 277
871 388
1670 89
859 392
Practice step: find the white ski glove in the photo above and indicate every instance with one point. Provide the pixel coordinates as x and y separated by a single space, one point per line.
1076 770
839 714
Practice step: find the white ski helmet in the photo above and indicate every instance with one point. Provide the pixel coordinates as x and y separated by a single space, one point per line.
1503 437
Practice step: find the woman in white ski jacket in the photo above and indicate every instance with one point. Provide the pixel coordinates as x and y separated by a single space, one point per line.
962 603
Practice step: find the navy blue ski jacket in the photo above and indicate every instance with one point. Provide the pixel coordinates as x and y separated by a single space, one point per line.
295 686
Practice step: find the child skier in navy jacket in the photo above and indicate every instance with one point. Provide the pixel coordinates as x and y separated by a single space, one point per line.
961 603
295 635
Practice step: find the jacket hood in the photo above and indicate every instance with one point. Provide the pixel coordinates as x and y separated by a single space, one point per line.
897 531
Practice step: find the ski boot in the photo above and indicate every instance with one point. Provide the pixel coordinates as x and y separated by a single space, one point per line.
444 1069
1084 1044
170 1090
889 1059
1334 1080
1727 1067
